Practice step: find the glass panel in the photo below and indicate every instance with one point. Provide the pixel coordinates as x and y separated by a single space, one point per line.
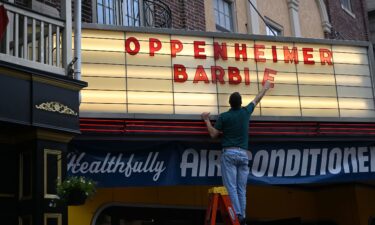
319 103
358 113
90 96
355 103
320 112
324 91
149 72
195 110
353 80
105 83
102 108
150 98
100 14
280 112
195 99
160 109
358 92
149 85
352 69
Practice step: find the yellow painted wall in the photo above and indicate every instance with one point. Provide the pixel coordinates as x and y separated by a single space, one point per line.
311 23
277 11
209 15
345 205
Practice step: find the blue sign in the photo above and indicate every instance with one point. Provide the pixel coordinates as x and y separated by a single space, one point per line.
137 163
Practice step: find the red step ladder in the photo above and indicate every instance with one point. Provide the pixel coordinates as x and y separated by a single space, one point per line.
219 198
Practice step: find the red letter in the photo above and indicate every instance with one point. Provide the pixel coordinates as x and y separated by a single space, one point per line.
290 56
274 53
258 53
267 76
239 52
176 47
325 56
198 49
180 74
234 75
220 51
247 76
215 76
200 75
154 45
136 46
307 56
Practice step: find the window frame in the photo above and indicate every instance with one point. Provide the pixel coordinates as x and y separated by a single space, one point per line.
270 24
231 16
346 5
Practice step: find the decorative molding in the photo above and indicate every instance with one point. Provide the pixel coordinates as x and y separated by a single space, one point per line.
293 6
326 25
56 107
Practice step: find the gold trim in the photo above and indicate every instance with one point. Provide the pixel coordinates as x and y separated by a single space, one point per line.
20 187
57 216
57 83
15 73
59 155
20 219
54 136
56 107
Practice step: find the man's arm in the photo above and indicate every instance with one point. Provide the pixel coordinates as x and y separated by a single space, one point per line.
260 95
214 133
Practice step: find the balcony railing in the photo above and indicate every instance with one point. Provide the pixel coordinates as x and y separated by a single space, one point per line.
33 40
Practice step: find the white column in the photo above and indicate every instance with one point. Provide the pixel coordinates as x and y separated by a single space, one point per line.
293 6
66 15
252 18
77 38
326 25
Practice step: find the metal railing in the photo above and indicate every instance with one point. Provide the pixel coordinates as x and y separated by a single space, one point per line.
149 13
33 40
157 14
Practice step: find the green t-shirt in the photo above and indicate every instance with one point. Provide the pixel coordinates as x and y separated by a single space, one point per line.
235 126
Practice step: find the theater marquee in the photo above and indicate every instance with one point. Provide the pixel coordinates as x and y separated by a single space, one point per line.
130 72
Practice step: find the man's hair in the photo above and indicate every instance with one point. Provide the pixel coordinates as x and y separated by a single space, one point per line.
235 100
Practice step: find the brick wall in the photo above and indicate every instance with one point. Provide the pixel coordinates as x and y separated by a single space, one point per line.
187 14
347 26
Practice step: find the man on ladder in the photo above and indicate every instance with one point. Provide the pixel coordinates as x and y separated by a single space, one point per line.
234 127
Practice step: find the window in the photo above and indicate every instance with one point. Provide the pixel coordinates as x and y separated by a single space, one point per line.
223 15
105 11
118 12
272 31
131 13
346 4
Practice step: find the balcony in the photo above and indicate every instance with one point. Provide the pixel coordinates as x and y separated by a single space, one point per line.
147 13
34 41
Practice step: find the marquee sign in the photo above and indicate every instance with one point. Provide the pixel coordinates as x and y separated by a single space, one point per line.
122 164
129 72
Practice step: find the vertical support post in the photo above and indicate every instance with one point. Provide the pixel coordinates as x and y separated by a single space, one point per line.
293 6
66 12
77 38
58 46
25 48
16 35
41 42
50 43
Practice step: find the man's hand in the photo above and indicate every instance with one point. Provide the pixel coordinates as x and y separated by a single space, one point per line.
267 85
205 116
211 130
